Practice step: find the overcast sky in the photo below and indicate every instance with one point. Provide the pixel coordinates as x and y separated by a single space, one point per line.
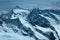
9 4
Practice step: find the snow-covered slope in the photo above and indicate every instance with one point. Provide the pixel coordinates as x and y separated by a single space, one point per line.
22 24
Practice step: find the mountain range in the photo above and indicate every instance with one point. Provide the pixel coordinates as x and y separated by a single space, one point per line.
34 24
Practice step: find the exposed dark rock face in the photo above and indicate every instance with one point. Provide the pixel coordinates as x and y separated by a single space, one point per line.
49 35
47 13
55 11
35 18
52 37
1 22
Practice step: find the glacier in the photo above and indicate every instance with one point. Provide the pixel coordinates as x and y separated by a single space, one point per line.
34 24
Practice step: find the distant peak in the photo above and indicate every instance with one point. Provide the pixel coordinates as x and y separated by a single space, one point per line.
35 8
18 7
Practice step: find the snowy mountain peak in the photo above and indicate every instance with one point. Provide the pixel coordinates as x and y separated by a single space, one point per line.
20 12
18 9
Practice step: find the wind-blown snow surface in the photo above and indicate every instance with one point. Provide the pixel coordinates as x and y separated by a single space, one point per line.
22 24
